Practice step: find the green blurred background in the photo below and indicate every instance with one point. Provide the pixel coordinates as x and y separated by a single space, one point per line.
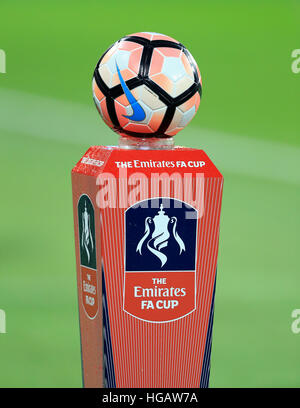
248 122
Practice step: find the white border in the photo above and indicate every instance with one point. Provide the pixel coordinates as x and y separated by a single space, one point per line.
92 269
196 243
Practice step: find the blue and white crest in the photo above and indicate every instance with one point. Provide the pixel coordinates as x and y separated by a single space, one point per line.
159 236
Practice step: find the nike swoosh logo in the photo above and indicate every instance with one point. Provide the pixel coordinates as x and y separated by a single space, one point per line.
138 112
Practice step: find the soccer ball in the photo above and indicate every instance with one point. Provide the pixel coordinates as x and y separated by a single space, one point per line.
147 85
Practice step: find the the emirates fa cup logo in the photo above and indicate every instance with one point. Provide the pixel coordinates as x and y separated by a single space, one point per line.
88 262
160 260
156 236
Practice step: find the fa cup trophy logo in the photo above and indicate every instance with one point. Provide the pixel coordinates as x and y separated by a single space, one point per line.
160 236
86 235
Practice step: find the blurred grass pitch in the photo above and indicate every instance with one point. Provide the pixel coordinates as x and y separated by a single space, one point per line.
248 127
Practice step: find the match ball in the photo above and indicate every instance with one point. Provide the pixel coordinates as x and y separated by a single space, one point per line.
147 85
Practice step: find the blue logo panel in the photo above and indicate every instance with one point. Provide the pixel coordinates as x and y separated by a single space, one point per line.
160 236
